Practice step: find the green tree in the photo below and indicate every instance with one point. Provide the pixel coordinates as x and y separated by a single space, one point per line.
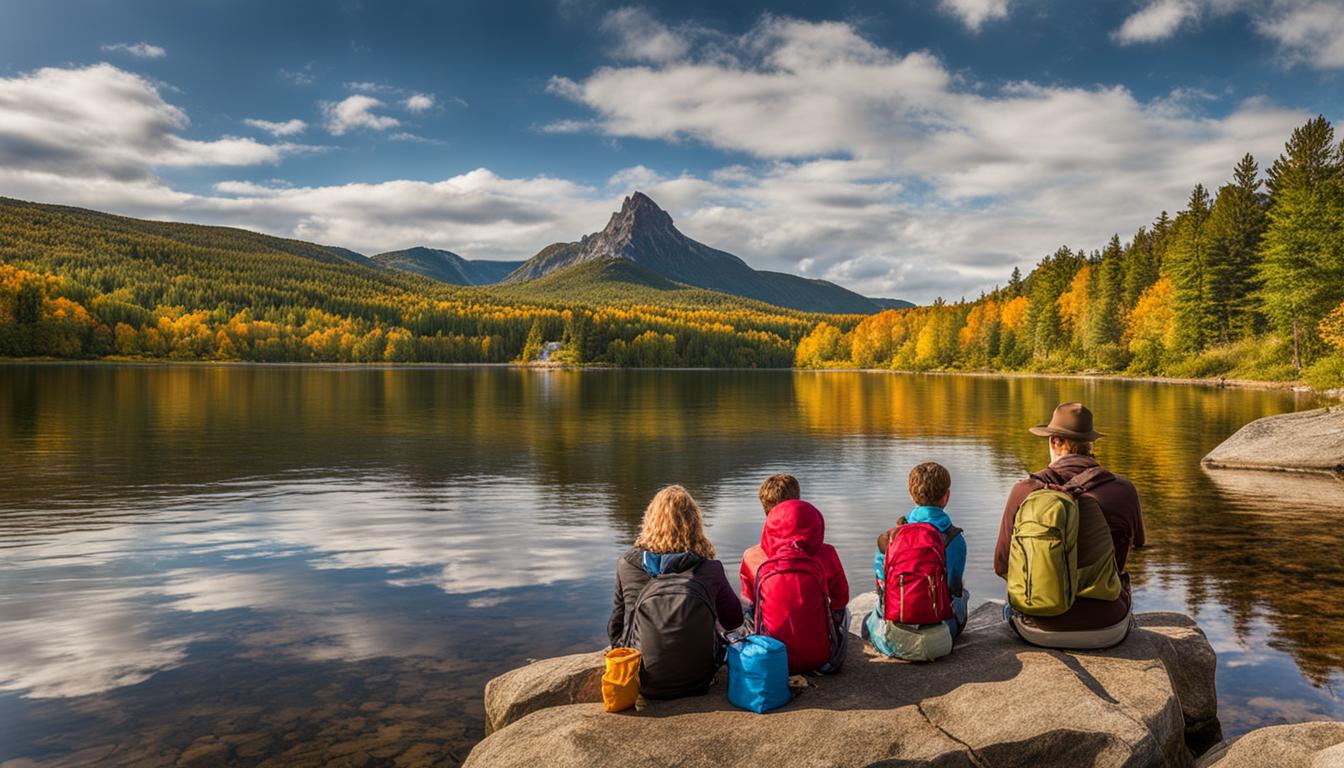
1186 263
1236 224
1045 285
1107 292
1143 259
532 347
1303 247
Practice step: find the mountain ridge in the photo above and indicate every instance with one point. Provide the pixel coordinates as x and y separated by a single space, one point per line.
446 266
644 233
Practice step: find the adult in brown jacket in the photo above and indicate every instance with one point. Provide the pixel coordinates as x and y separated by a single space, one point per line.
1108 506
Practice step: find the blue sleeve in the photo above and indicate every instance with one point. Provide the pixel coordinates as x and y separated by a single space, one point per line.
880 567
956 563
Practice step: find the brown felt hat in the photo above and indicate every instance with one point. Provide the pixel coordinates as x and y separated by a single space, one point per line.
1071 420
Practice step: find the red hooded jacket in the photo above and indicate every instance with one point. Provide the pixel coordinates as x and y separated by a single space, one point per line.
798 521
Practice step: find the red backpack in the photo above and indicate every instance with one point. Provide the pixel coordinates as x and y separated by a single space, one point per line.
794 607
916 590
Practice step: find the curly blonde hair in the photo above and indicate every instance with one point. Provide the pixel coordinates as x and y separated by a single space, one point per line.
673 523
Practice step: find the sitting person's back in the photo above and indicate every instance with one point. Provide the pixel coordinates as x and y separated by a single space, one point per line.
1110 523
673 600
794 585
919 567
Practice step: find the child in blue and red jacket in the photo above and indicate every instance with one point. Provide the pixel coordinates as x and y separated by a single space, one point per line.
930 487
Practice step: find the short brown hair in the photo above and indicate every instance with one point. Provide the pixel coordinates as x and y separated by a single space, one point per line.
1080 447
929 483
777 488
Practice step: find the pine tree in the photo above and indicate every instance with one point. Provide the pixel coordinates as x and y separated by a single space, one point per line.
1107 293
1303 247
1143 259
1048 281
1186 264
1015 283
1235 226
532 347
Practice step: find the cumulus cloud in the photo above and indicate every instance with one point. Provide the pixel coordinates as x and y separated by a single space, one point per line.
141 50
1156 21
354 112
974 13
639 36
100 122
852 162
418 102
278 129
1309 32
873 163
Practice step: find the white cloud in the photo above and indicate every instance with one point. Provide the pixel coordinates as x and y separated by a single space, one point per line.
414 138
639 36
418 102
141 50
844 130
101 122
1158 20
974 13
356 112
1309 32
875 168
302 76
569 126
278 129
366 86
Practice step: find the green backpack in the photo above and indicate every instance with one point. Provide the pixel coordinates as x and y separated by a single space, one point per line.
1044 576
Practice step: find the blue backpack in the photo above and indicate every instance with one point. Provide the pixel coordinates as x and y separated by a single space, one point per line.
758 674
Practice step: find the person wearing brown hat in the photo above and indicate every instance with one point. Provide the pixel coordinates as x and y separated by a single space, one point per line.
1109 513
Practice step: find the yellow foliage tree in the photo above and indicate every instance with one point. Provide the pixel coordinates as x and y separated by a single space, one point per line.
825 344
1332 328
1150 328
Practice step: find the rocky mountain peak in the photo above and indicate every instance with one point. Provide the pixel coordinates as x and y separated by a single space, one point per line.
639 210
640 225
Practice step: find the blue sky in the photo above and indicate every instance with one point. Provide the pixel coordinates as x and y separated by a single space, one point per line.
899 148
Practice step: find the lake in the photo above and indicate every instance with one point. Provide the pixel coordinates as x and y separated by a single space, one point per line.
309 565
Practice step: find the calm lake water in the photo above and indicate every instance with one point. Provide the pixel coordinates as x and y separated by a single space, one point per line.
325 565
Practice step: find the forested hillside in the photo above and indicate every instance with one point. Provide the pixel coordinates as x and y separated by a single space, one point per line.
1247 281
80 284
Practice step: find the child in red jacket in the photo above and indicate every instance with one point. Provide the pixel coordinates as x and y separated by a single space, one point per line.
793 583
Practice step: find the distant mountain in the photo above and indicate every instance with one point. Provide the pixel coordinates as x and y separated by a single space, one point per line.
446 266
892 303
348 254
615 282
643 233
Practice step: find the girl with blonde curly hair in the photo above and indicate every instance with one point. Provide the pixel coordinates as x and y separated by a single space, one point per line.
673 599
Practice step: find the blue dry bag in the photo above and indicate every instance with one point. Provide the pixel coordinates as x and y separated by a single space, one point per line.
758 674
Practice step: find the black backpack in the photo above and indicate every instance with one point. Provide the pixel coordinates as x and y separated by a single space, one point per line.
675 629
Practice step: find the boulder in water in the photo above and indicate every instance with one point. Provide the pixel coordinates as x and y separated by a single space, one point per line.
1305 441
1301 745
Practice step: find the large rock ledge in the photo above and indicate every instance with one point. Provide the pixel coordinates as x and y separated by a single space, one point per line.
1306 441
994 701
1304 745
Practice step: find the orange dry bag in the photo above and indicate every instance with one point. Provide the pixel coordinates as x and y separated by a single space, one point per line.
620 683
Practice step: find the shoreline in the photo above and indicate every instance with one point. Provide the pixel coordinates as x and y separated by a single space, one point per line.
1297 386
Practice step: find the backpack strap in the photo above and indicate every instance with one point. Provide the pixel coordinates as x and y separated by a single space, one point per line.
951 533
1088 480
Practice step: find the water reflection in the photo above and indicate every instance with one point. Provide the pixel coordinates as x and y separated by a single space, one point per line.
312 564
